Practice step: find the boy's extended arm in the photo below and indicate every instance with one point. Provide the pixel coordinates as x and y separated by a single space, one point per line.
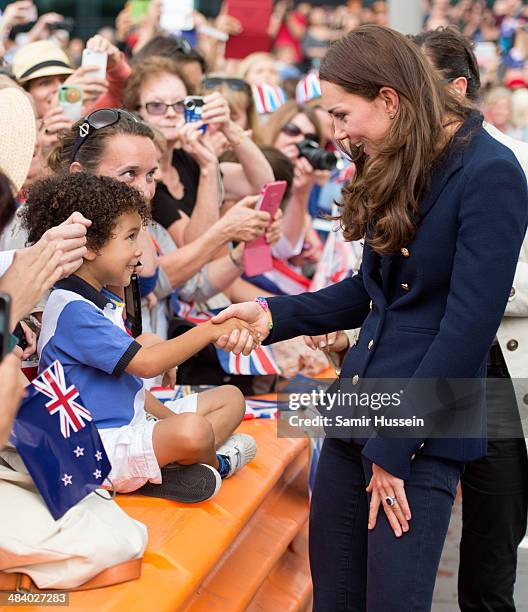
156 359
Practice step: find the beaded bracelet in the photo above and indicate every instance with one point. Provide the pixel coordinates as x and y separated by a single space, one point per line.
265 307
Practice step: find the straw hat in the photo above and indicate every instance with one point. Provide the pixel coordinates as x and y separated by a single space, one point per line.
39 59
18 134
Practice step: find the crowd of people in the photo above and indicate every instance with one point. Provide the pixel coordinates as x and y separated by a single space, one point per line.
130 190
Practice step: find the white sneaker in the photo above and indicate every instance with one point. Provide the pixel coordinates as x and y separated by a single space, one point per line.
240 449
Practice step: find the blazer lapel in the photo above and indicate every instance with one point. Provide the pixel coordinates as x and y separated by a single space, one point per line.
372 275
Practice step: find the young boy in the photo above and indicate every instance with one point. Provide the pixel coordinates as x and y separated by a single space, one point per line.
82 327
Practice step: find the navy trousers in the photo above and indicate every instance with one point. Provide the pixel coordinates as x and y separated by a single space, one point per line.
354 569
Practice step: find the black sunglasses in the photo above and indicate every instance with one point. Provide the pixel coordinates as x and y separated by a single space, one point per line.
232 83
294 130
104 117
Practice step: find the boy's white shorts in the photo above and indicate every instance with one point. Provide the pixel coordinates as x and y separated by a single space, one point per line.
130 449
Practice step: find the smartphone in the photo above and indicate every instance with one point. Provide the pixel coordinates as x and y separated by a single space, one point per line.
133 306
5 314
71 101
138 9
95 58
19 333
193 110
257 253
177 15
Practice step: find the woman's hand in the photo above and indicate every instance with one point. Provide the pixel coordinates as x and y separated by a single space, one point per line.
11 394
273 233
70 239
194 142
383 485
241 341
92 86
103 45
215 111
41 31
242 222
335 342
304 175
52 124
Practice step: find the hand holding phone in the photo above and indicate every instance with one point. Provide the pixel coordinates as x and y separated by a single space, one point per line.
193 108
257 253
98 59
71 101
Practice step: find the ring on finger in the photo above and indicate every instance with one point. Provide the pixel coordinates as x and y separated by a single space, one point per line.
390 501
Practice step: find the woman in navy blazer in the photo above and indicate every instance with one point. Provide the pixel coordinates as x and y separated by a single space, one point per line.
443 210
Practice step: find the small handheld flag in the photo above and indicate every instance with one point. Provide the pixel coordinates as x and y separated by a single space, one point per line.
59 443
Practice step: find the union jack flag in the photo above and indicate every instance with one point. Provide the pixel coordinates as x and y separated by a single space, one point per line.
62 399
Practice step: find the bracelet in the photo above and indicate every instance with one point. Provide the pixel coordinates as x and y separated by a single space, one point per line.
262 302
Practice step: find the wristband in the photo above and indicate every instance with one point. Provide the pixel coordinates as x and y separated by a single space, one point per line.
265 307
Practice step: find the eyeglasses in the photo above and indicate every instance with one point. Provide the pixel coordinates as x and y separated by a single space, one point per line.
232 83
160 108
104 117
294 130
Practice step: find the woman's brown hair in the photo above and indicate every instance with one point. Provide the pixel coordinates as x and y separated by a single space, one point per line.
385 194
151 66
271 129
93 148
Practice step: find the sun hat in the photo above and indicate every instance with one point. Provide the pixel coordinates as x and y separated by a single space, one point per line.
39 59
18 134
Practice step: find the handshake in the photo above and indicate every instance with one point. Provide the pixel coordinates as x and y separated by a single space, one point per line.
240 328
235 333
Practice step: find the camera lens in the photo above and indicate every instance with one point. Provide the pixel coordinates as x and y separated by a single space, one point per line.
318 158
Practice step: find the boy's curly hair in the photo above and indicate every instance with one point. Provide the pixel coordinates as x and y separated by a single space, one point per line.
100 199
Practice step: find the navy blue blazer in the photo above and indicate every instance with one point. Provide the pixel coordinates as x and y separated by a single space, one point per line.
431 310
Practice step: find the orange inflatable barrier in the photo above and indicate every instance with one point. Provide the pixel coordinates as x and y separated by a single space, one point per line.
244 550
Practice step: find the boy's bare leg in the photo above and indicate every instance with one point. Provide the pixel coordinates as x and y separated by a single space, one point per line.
224 408
185 439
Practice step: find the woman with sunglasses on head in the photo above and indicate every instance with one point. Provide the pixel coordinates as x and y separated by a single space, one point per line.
441 206
188 198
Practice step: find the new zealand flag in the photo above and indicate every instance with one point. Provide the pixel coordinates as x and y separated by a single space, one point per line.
59 442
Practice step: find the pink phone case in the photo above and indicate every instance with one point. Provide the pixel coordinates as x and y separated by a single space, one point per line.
257 253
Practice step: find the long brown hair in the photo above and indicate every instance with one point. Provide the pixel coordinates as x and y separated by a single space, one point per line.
385 193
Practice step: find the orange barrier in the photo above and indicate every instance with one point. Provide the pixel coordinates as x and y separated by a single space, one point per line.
244 550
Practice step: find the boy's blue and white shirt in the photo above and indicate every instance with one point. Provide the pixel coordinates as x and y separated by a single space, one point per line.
84 329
